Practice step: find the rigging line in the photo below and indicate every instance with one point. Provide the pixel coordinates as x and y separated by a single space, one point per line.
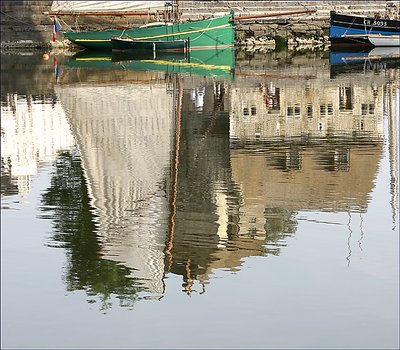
362 232
350 26
393 152
201 33
64 23
76 23
348 239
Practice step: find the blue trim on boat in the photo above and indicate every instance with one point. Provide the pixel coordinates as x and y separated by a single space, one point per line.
342 26
340 57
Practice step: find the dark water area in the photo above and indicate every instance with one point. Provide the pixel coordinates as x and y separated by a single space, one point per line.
219 201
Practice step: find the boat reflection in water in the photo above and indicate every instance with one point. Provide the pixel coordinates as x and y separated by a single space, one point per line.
189 173
351 60
199 62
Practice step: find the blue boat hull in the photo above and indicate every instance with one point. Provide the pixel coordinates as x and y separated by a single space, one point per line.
347 30
337 58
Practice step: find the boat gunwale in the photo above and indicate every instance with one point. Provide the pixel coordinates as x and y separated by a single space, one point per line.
336 15
147 41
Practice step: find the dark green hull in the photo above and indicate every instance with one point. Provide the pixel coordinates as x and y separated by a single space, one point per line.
199 62
214 33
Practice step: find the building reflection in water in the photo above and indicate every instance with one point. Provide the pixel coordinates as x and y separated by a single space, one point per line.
124 130
150 194
33 131
304 145
317 149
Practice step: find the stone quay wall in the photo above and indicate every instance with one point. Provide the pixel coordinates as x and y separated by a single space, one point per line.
301 30
24 24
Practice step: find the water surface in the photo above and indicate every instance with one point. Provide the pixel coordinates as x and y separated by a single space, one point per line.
247 201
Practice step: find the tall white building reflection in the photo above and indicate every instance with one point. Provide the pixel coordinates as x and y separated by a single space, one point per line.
124 132
33 131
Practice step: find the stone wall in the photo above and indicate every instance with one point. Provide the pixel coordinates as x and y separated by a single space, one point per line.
302 29
199 9
24 22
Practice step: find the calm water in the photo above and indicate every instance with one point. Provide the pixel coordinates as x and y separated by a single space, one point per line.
188 204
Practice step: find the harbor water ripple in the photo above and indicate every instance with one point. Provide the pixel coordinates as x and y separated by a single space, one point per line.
223 200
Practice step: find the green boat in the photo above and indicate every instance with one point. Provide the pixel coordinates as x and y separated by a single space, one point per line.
219 62
213 33
126 17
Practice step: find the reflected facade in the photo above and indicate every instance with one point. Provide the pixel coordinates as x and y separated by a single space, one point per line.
124 138
33 131
188 174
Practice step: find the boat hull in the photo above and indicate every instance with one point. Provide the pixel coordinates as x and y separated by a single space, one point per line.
214 33
348 30
384 40
121 44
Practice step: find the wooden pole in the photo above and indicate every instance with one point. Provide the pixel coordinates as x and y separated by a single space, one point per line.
277 14
178 11
100 13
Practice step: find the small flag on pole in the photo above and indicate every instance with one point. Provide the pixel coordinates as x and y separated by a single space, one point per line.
56 28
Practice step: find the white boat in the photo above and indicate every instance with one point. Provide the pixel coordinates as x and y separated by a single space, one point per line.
384 40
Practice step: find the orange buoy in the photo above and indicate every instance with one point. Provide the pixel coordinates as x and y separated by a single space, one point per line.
45 56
